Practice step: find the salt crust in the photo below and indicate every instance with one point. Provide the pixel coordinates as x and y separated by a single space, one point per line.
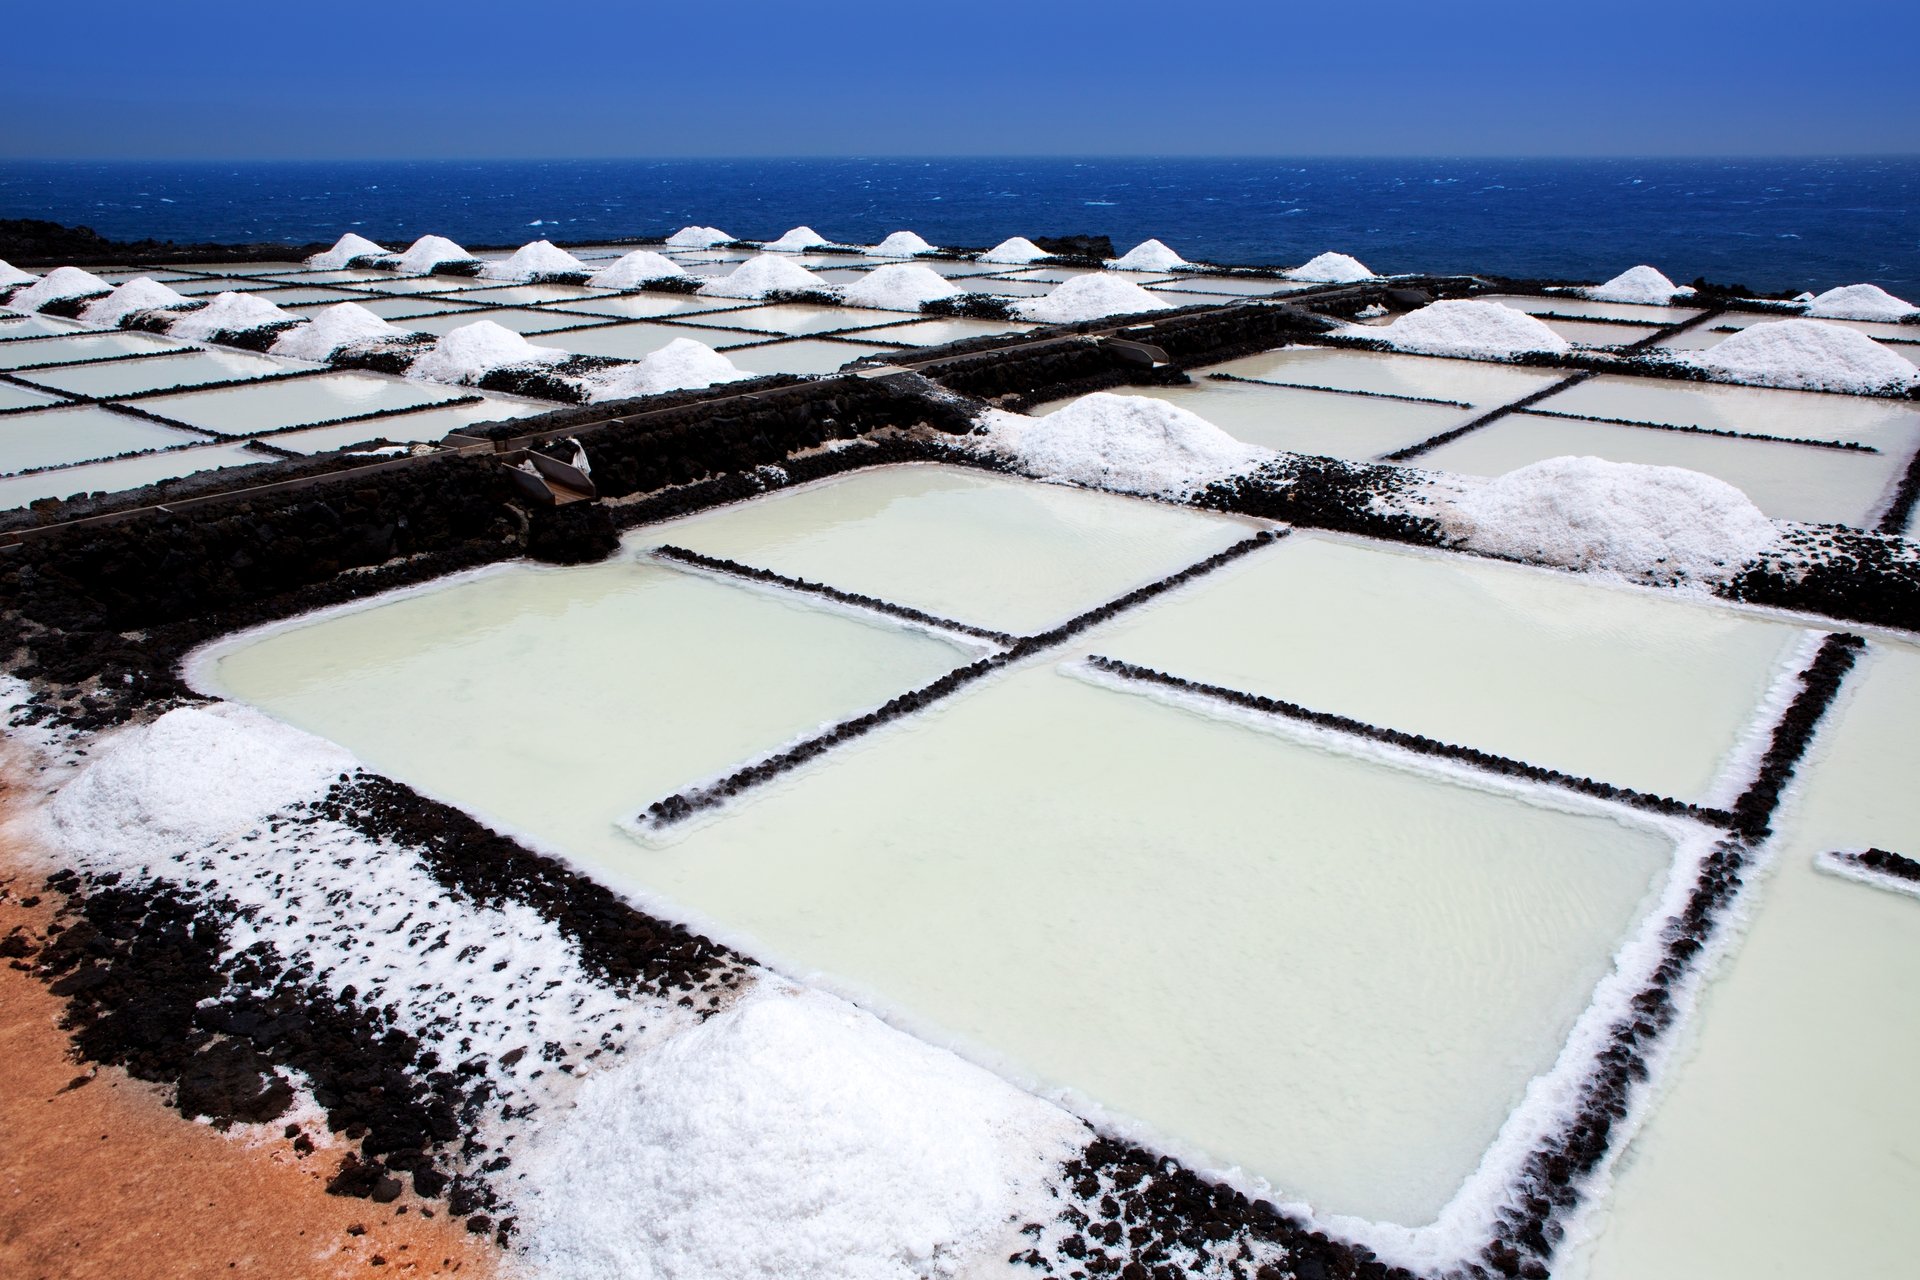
758 276
793 1135
472 351
233 312
428 251
332 329
1860 302
1089 297
1484 330
1017 249
137 294
1805 355
682 364
900 286
541 258
635 269
10 274
1332 268
1148 255
345 250
61 282
698 238
1639 284
901 244
797 240
1134 444
1620 517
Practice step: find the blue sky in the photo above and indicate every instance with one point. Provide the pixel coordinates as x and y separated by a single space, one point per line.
350 80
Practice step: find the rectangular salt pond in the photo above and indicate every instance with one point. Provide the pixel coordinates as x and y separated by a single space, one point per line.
520 321
1629 686
796 319
123 473
1657 317
1600 335
1322 423
974 547
935 333
1892 426
15 327
426 425
1337 975
428 284
802 356
1787 1140
1787 481
12 397
520 295
82 346
648 306
1476 384
231 284
244 410
1237 287
397 309
61 436
190 368
302 297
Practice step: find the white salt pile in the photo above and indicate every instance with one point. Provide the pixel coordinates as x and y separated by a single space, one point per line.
1134 444
1089 297
797 240
541 258
901 244
1018 249
472 351
10 274
1861 302
902 286
428 252
332 329
698 238
1332 268
635 269
229 313
681 365
759 276
58 284
1476 330
1641 284
790 1135
1666 523
1148 255
1805 355
137 294
345 250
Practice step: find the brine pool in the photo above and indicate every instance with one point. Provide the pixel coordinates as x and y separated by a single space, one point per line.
1333 968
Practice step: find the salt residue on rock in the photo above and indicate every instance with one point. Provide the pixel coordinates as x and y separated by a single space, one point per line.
472 351
901 244
790 1135
797 240
635 269
541 258
1135 444
332 329
228 313
1640 284
57 284
1148 255
137 294
428 252
1667 524
10 274
1477 330
1806 355
1860 302
681 365
698 238
345 250
1089 297
1017 249
759 276
1332 268
902 286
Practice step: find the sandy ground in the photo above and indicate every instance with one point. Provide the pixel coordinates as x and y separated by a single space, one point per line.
101 1179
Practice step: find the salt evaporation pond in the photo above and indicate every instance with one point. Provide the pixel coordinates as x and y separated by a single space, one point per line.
1335 973
1778 1148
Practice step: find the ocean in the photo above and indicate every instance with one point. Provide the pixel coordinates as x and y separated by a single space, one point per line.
1769 224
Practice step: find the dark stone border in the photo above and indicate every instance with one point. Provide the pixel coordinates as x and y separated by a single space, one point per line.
1880 862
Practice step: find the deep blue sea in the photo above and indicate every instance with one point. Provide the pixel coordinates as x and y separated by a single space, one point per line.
1769 224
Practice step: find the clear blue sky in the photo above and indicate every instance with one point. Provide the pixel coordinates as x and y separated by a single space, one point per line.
351 80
